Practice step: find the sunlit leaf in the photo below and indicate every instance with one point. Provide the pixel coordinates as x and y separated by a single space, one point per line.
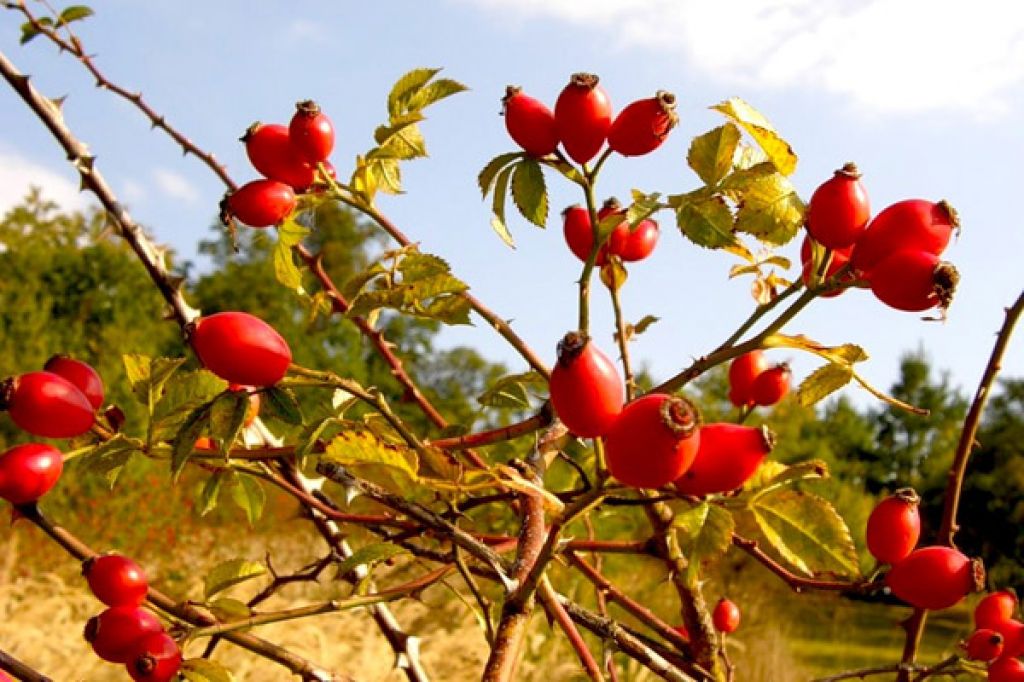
758 127
248 494
230 573
353 448
513 391
705 532
489 173
205 670
369 555
822 382
770 210
405 88
711 154
529 191
706 222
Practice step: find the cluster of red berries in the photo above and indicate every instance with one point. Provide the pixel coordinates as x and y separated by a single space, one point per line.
753 382
998 637
126 633
629 245
933 577
582 121
897 252
288 158
58 402
656 439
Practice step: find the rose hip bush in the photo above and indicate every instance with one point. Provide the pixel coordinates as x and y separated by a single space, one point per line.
589 446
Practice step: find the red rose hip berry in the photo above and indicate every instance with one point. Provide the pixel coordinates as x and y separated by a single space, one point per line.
914 281
912 224
728 456
586 390
934 577
48 405
995 609
771 385
743 371
272 153
894 526
116 580
154 658
81 374
29 471
643 125
311 132
726 616
984 645
115 632
1006 670
654 441
839 210
529 122
241 348
579 235
583 115
260 203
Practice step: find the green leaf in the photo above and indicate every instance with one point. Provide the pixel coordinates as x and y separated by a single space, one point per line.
383 133
308 440
529 191
227 416
778 475
645 322
282 404
109 458
757 126
248 494
806 532
512 391
387 176
489 173
226 608
642 208
205 670
75 13
404 145
285 269
184 443
435 92
230 573
147 376
369 555
355 448
184 393
706 222
404 89
822 382
498 206
28 32
771 210
706 531
711 154
210 493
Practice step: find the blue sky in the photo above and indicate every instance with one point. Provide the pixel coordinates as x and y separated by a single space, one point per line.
926 97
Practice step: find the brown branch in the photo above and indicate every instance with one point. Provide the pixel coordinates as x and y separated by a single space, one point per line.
20 670
556 613
797 583
602 600
860 674
498 435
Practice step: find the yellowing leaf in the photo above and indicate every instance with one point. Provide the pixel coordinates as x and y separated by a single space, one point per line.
706 222
205 670
770 210
353 448
758 127
822 382
705 532
711 154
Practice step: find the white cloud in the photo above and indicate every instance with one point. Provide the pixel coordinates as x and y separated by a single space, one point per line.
175 186
18 174
133 191
305 31
903 56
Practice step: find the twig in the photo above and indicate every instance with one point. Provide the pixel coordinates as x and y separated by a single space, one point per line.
558 614
20 670
796 583
620 335
498 435
860 674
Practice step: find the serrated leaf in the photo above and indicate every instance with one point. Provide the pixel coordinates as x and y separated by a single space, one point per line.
230 573
529 191
806 531
845 354
498 221
771 210
397 124
431 93
417 267
248 494
290 232
184 443
354 448
642 208
441 463
226 608
485 179
308 440
706 222
705 532
822 382
405 87
210 493
512 391
286 271
147 376
711 154
387 175
227 417
404 145
369 555
811 470
644 324
757 126
75 13
109 458
282 404
183 393
205 670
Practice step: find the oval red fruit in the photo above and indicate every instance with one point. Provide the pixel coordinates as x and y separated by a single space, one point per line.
81 374
1006 670
995 609
984 645
654 441
839 210
529 122
771 385
154 658
48 405
726 616
29 471
583 115
116 580
728 456
586 390
743 371
115 632
643 125
912 224
579 235
311 132
633 245
933 577
261 203
241 348
914 281
272 153
894 526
